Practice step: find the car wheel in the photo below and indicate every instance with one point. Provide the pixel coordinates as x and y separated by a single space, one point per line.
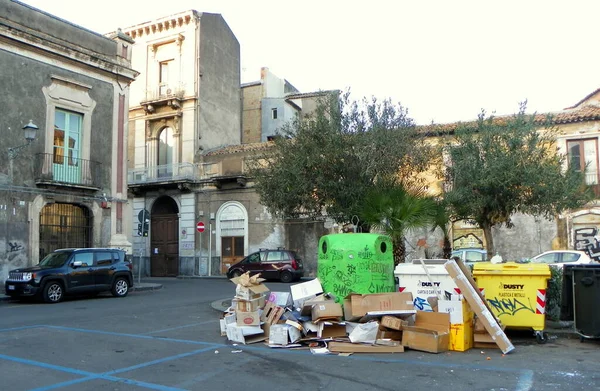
120 287
53 292
286 276
236 274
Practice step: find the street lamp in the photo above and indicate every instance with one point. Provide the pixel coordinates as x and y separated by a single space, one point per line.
29 131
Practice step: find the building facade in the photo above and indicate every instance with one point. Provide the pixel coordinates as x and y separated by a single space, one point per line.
67 187
186 101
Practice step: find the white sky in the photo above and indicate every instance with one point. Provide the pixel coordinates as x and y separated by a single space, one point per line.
444 60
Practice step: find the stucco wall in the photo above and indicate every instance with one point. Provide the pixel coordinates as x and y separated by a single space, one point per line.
220 114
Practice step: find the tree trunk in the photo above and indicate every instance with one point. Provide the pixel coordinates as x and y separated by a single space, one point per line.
447 249
399 251
489 240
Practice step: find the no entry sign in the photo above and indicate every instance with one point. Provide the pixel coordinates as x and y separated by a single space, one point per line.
200 226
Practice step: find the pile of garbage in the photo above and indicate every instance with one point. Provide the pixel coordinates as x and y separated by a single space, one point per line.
307 317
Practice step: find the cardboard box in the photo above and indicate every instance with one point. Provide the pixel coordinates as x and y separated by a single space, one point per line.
461 323
331 330
248 305
431 332
272 313
283 334
248 318
476 302
308 304
245 334
249 288
394 335
228 318
392 322
305 291
347 347
327 310
378 304
281 299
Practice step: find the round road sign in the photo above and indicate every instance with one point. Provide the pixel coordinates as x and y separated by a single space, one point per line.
200 226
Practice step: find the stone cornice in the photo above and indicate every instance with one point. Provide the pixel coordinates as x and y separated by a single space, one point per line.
161 25
35 40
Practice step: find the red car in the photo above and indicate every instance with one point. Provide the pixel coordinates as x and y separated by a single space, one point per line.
278 264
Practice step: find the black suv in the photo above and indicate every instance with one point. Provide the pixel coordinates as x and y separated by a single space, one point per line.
73 271
279 264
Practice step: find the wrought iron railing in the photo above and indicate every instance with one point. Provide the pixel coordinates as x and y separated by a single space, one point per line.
61 169
164 173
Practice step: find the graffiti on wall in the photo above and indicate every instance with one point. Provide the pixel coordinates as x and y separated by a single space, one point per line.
14 246
588 240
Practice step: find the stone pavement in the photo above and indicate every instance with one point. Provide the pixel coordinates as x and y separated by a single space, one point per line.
139 287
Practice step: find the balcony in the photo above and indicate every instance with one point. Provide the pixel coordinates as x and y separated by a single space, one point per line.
166 175
61 170
163 95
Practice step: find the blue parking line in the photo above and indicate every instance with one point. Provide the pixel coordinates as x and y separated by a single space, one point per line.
21 328
160 360
142 336
46 366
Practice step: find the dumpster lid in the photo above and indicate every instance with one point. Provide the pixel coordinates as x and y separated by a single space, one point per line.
511 268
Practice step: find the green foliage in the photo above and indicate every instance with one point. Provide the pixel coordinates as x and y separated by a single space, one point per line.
328 162
502 166
554 294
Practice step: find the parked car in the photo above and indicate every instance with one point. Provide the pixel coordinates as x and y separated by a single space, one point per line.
73 271
278 264
470 255
558 258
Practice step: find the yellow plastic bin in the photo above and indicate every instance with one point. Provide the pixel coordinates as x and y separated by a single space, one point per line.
516 293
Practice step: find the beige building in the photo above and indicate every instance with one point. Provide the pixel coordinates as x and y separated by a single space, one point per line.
186 101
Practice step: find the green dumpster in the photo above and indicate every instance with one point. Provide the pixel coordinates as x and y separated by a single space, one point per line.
355 262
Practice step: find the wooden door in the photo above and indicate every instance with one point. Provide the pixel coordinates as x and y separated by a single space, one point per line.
232 251
164 246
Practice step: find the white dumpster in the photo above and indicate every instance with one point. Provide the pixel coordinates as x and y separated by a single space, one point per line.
413 278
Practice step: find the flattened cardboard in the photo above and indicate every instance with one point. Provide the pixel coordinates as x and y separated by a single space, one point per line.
473 297
304 291
377 304
283 334
347 347
326 310
281 299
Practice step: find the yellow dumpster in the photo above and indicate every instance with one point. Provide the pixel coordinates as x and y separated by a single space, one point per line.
516 293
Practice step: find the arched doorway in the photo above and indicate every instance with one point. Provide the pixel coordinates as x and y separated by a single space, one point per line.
232 238
64 226
164 238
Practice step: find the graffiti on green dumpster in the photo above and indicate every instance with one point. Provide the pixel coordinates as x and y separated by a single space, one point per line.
355 263
509 306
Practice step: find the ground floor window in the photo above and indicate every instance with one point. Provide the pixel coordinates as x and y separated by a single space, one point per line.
64 226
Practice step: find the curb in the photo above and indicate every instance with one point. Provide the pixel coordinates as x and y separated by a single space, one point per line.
221 305
136 288
146 287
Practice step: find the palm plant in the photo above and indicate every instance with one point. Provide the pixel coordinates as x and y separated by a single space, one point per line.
395 208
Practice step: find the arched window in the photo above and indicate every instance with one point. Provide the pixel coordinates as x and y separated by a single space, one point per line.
165 152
